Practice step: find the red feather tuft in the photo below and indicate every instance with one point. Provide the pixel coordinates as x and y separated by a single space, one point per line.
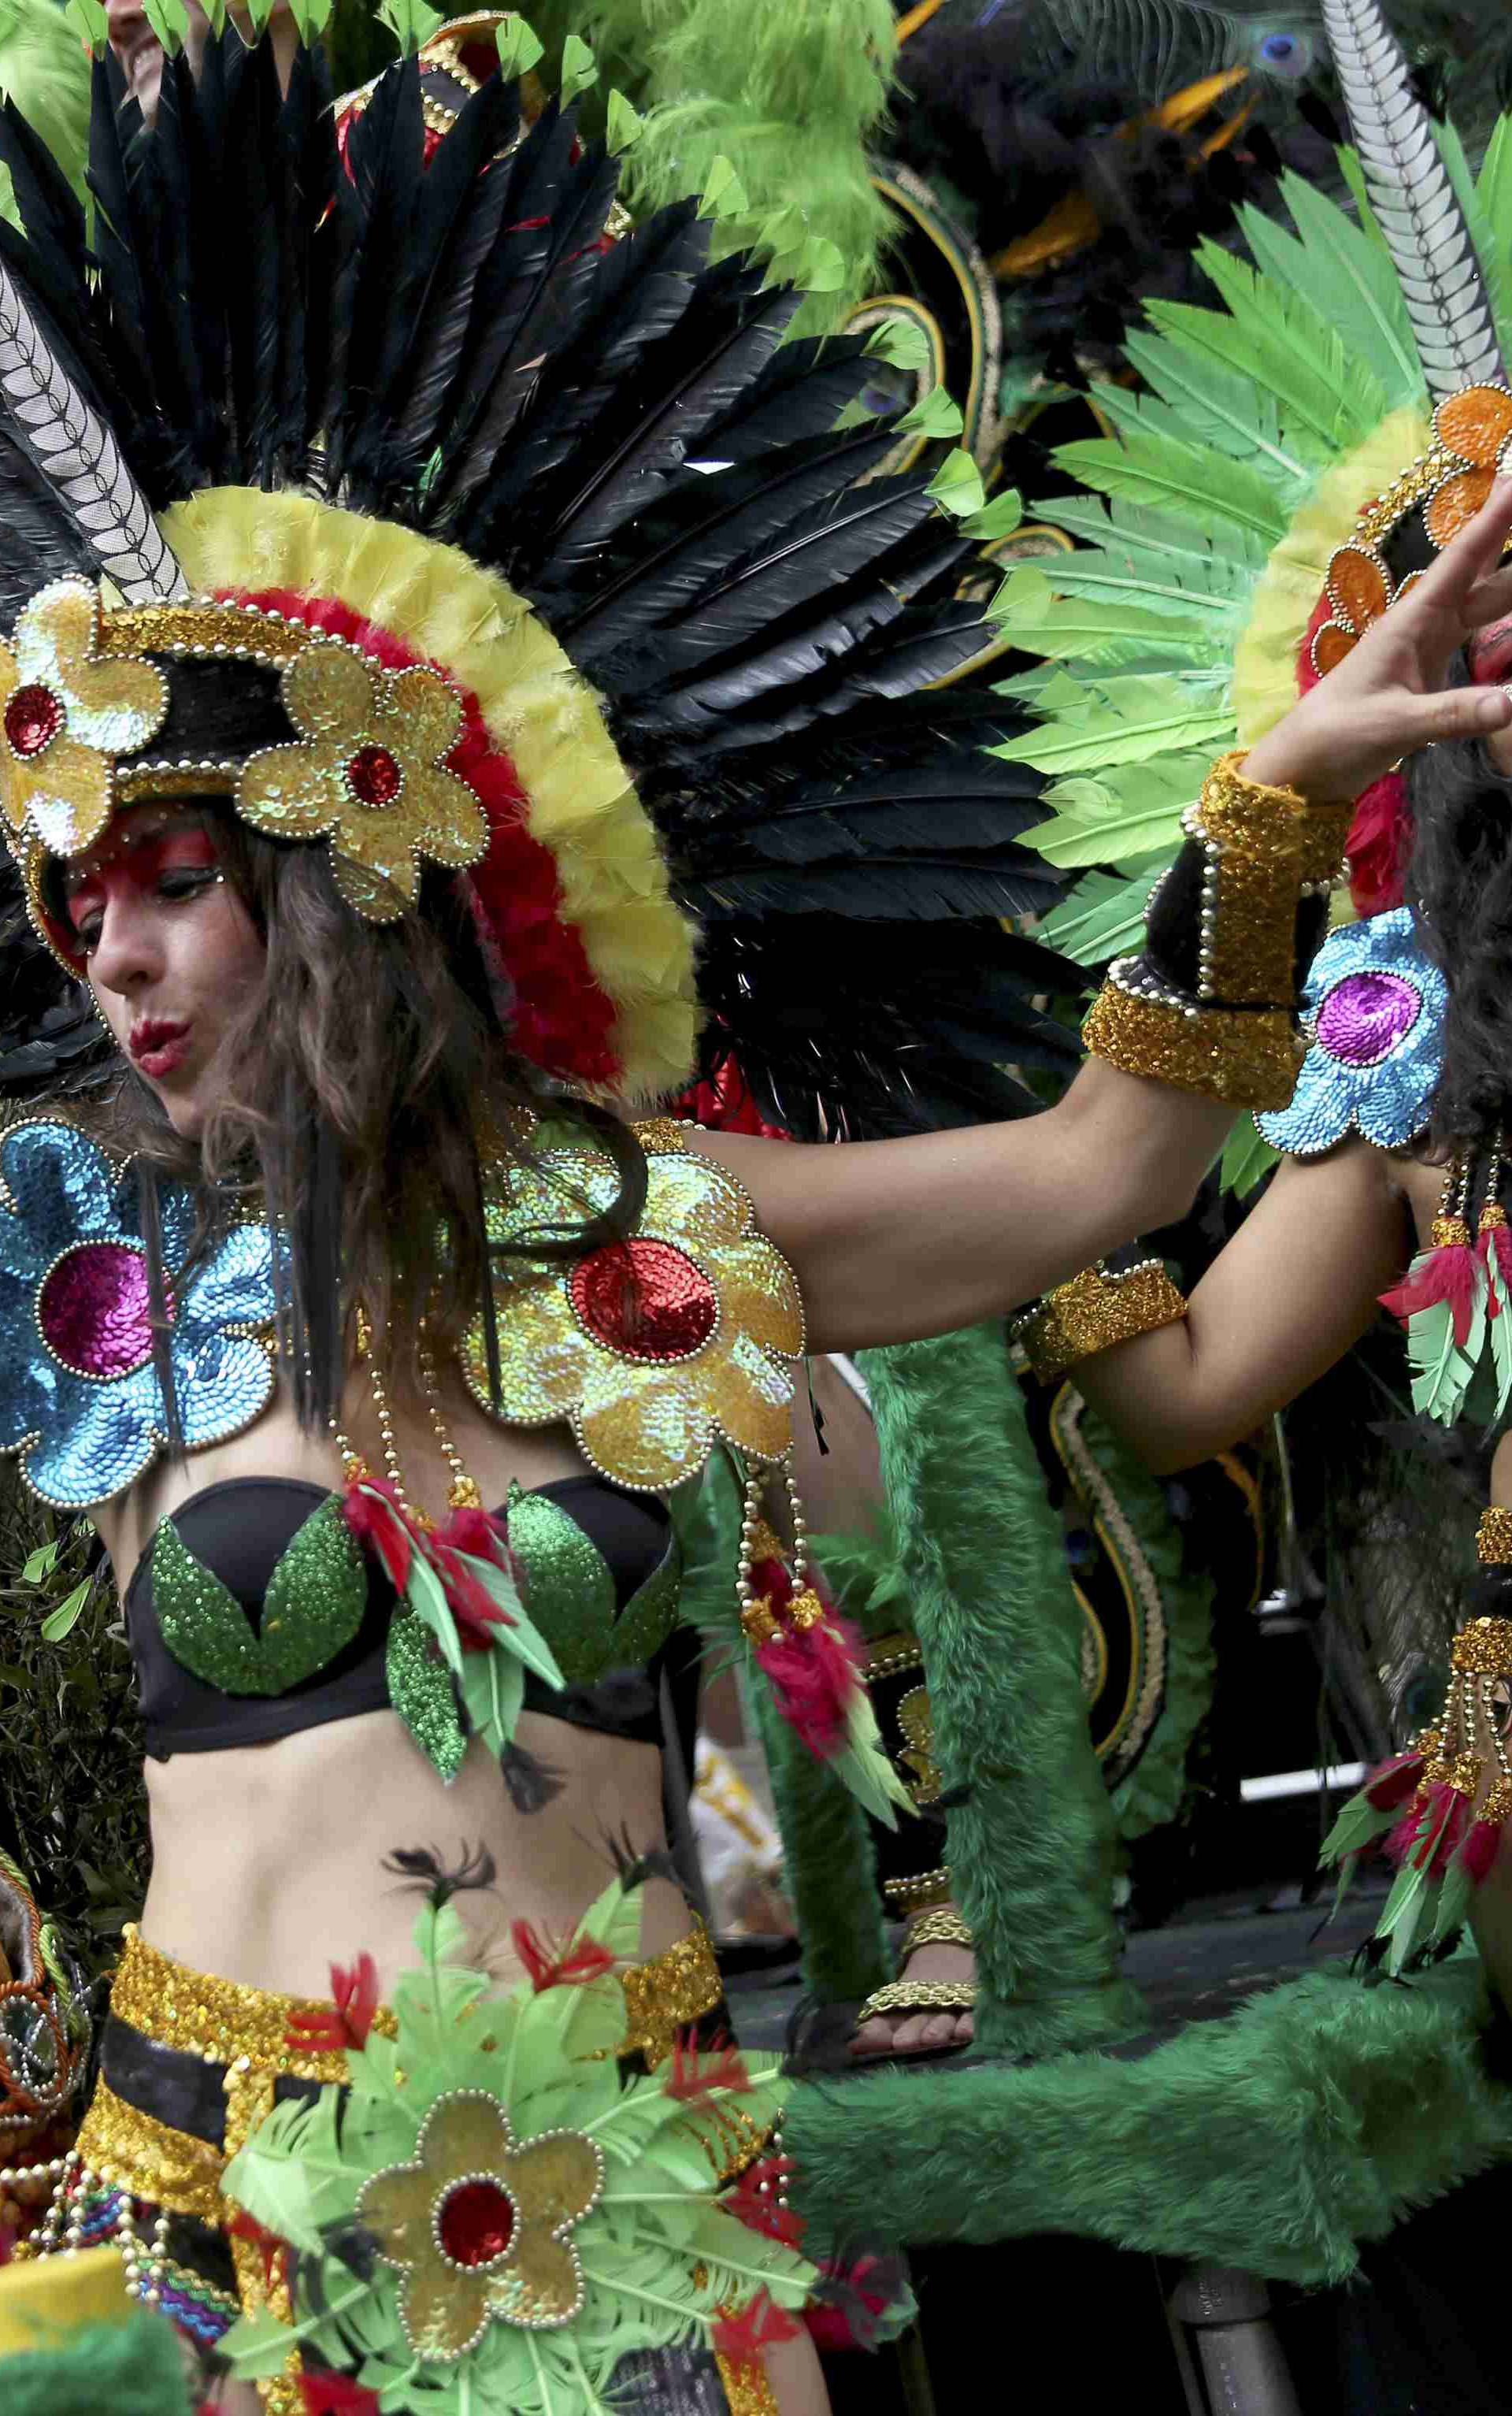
549 1966
694 2075
754 2201
370 1508
347 2022
1479 1852
1446 1274
814 1672
336 2395
1394 1781
741 2334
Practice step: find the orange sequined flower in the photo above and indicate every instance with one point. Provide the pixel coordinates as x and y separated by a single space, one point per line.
64 717
1477 426
652 1345
370 777
481 2228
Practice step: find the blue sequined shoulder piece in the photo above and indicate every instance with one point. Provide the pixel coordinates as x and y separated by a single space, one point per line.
80 1400
1374 1017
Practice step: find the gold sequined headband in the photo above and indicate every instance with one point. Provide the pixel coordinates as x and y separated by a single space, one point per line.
82 703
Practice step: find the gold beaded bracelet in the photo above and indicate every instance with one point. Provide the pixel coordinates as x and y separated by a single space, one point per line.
1264 851
915 1895
1093 1311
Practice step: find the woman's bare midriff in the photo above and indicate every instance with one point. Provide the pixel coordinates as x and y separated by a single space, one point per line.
269 1860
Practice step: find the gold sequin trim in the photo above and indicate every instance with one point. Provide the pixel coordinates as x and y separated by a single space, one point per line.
1493 1536
944 1927
1265 849
891 1656
924 1888
219 2019
134 2152
1094 1310
1484 1649
747 2387
1498 1804
1245 1061
202 628
657 1135
668 1993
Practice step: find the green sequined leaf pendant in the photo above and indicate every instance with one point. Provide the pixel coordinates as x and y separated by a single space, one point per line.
420 1690
569 1589
314 1606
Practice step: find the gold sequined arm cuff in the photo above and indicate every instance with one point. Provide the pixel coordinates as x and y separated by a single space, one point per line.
1210 1004
1093 1311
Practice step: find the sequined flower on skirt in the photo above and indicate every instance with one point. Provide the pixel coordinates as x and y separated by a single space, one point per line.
370 777
480 2227
79 1398
66 715
1375 1008
652 1345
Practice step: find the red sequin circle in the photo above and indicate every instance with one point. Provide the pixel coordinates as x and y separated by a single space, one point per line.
476 2222
645 1300
373 776
34 717
93 1310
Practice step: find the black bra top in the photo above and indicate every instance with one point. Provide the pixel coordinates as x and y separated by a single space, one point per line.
241 1528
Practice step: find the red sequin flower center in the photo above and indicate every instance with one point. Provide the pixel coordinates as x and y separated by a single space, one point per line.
34 717
476 2222
373 776
93 1310
645 1300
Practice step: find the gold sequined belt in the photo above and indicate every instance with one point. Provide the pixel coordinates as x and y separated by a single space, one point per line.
238 2043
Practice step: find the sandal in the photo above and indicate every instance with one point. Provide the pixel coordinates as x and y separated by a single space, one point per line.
941 1926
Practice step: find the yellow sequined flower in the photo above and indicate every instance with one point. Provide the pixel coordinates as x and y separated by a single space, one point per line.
481 2228
66 715
653 1345
370 777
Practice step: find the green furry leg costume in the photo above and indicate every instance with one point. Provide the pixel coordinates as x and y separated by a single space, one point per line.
982 1556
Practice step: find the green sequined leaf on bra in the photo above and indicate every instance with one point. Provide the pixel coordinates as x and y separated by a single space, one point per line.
420 1691
569 1592
314 1604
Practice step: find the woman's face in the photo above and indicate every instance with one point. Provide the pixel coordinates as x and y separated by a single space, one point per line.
1490 655
169 950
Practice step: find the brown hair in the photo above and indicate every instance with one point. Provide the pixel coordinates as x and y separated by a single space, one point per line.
369 1084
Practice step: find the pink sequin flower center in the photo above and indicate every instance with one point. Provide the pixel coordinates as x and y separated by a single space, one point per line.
34 717
373 776
476 2222
1364 1016
645 1300
93 1310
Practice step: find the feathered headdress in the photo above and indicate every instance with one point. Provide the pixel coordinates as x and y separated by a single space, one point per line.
1297 455
367 480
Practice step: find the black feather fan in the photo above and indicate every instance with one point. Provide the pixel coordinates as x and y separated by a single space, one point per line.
448 336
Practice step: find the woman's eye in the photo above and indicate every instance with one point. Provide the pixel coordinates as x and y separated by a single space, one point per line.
186 880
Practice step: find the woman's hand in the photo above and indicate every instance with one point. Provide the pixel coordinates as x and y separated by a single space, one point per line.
1387 697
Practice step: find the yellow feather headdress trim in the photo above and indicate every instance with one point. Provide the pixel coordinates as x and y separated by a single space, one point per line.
581 803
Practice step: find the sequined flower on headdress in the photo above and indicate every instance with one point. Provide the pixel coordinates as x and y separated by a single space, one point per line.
370 777
652 1345
1477 426
480 2227
1375 1008
66 713
80 1399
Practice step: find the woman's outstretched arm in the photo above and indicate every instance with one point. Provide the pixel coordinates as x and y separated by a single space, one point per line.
1296 1286
892 1241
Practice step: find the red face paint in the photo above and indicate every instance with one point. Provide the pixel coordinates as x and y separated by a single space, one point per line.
134 868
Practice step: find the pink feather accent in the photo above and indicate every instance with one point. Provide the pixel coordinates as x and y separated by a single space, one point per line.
1394 1781
812 1674
371 1510
1436 1826
1447 1274
1479 1852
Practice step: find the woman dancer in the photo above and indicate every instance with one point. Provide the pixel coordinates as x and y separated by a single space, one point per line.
482 596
